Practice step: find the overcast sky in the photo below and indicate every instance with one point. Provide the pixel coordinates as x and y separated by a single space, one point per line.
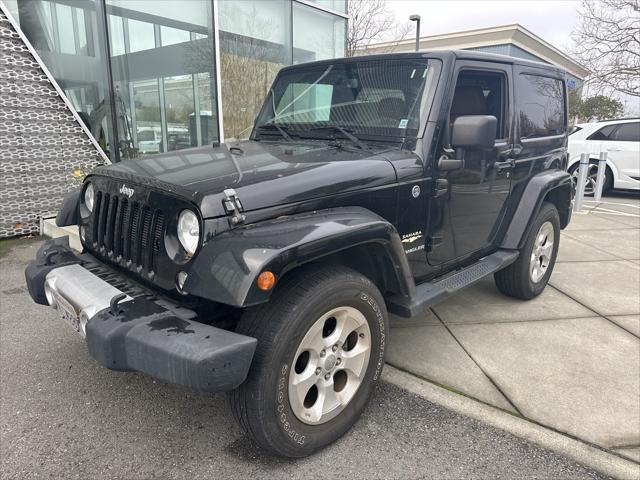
552 20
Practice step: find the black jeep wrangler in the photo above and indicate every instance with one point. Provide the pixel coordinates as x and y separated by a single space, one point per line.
267 268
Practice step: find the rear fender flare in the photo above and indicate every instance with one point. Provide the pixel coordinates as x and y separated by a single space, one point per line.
226 269
552 185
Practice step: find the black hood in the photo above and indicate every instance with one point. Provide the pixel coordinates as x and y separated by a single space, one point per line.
263 174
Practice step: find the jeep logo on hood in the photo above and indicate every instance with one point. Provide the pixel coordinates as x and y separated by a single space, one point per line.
124 190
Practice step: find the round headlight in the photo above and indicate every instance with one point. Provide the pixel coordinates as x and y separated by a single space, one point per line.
89 197
188 231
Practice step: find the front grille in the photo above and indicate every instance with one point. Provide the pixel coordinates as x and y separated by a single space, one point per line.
127 231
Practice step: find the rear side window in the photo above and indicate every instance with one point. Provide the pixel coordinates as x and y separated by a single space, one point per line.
627 132
603 134
542 111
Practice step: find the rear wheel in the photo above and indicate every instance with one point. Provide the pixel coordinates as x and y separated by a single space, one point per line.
529 274
592 175
321 343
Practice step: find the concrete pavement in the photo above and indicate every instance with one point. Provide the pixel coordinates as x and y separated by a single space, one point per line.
568 360
64 416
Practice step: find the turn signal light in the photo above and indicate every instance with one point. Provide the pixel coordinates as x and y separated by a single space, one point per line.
266 280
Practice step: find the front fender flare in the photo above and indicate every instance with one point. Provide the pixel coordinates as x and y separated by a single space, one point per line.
228 265
551 182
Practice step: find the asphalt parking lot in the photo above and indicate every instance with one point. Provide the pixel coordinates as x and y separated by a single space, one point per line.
64 416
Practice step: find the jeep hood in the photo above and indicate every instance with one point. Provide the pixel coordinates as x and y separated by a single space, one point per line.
263 174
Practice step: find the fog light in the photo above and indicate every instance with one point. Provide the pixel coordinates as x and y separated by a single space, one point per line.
266 280
180 279
82 234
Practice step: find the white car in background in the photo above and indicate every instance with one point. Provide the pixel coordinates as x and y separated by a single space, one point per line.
621 140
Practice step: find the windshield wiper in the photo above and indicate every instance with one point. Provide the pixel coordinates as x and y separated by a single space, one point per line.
347 133
281 130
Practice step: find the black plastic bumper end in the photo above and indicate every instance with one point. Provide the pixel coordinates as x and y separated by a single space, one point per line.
146 337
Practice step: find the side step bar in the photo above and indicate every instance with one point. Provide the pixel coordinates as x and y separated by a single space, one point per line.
428 294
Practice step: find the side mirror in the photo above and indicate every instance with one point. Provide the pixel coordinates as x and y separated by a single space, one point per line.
474 131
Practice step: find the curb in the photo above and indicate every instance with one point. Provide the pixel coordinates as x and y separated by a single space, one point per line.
592 457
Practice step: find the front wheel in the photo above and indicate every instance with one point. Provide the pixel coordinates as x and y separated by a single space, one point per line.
529 274
321 344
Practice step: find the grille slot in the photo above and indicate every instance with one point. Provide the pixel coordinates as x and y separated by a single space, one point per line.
127 231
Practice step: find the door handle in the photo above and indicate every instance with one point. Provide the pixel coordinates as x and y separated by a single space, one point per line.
614 149
510 163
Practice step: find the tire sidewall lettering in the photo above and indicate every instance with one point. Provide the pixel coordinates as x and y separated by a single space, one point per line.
285 417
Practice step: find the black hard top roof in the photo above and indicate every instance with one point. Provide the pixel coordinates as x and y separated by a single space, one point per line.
450 54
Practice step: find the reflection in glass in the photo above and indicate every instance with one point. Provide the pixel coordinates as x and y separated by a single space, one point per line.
141 35
163 91
66 38
163 75
65 19
337 5
327 37
254 44
146 119
178 98
171 36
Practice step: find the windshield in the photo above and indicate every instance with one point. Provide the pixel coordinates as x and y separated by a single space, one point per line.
379 98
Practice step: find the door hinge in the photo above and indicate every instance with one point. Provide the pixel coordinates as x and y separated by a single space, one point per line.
433 242
441 188
233 207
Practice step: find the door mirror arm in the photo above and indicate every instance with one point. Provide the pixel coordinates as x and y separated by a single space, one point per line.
446 164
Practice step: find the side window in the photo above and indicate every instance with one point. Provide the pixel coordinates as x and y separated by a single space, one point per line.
627 132
481 93
603 134
541 101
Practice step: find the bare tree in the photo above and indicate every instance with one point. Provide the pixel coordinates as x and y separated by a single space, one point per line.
371 21
608 42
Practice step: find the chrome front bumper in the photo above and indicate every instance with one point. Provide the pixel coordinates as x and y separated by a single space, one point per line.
87 293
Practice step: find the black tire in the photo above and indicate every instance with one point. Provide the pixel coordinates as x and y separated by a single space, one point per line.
261 404
516 279
593 170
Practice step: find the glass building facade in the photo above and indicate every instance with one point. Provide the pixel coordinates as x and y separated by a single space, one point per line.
151 76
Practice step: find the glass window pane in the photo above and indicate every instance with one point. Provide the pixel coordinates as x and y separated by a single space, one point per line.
316 35
178 98
337 5
382 97
141 36
254 44
171 36
116 35
82 31
81 72
164 83
146 101
541 106
65 29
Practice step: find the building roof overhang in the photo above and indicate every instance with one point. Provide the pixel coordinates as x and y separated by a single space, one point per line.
514 34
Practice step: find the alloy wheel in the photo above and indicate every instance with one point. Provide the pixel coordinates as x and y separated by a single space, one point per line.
542 251
329 365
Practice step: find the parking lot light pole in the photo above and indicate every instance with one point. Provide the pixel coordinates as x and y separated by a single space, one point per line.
416 18
602 167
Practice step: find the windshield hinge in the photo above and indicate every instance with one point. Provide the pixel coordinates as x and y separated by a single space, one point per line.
233 207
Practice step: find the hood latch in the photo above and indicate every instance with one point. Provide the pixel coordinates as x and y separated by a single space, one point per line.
233 207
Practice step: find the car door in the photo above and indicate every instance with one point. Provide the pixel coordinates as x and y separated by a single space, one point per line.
623 148
469 203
